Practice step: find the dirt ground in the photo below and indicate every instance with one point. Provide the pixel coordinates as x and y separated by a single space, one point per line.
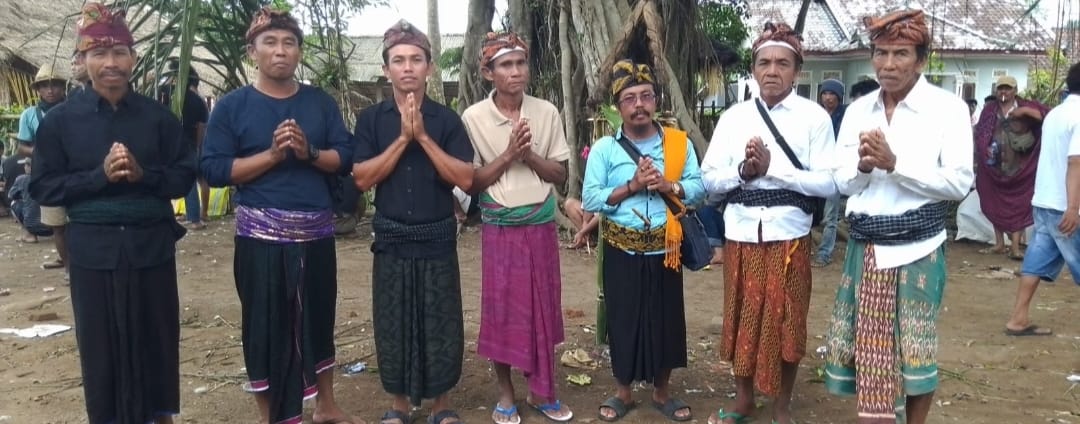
987 377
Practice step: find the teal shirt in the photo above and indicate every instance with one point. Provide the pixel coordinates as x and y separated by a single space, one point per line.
28 125
609 167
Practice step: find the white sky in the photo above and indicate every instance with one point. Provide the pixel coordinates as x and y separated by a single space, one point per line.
453 16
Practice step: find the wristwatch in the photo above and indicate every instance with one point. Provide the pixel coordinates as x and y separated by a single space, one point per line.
312 153
676 189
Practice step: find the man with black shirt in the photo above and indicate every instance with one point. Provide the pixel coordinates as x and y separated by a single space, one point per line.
415 151
114 159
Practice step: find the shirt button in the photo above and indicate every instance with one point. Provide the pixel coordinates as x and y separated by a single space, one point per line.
121 228
409 213
408 190
408 168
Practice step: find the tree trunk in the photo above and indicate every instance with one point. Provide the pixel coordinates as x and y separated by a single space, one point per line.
598 24
471 87
521 20
435 83
570 118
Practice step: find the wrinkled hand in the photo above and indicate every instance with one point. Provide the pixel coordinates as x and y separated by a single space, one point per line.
1070 221
874 152
520 141
757 160
120 165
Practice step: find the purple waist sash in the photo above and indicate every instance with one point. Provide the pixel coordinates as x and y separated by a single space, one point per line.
282 226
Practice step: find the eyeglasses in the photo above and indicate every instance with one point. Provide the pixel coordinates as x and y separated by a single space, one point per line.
646 98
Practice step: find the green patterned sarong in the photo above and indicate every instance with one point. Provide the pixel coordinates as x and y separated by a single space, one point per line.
882 342
493 213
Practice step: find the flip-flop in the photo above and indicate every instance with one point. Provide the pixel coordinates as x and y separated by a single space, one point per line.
1031 330
991 250
739 418
394 414
53 265
548 408
444 415
511 412
1019 257
621 408
672 406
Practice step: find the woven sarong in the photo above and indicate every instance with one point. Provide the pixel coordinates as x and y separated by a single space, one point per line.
766 299
521 318
882 342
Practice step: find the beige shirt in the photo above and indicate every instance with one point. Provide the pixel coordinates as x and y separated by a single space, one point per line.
489 131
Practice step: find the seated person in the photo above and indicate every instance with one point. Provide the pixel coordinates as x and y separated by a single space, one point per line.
27 211
586 223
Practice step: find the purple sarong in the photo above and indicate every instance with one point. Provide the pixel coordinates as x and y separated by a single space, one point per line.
521 305
1005 198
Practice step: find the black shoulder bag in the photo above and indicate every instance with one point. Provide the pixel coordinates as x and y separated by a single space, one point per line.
817 202
696 253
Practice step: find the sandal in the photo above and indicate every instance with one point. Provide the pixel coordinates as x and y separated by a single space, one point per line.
819 263
739 418
615 404
393 414
548 409
672 406
1031 330
53 265
441 416
510 412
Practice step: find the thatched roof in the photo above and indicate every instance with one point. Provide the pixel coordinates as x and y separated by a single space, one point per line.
43 32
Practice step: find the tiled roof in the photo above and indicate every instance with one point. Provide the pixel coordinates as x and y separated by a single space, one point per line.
834 26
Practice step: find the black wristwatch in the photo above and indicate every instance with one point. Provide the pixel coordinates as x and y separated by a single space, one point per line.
312 153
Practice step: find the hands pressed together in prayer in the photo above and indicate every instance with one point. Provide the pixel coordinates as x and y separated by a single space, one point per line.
120 165
757 160
520 145
648 176
874 152
412 120
289 136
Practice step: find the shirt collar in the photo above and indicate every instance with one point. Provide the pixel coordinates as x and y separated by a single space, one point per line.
497 117
915 100
92 98
785 103
659 132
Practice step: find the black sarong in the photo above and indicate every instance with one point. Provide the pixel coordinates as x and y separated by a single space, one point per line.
419 332
288 295
127 325
645 315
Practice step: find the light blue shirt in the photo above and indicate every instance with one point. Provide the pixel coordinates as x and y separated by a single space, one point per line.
28 124
609 167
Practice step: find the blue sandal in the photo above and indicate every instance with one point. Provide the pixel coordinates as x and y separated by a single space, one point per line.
548 408
511 413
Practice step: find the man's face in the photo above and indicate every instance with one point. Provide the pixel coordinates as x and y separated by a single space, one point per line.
637 104
407 68
78 68
898 66
1005 94
774 69
509 73
829 100
110 67
51 91
277 54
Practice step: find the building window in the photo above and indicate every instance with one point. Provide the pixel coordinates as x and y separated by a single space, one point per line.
803 86
836 75
1000 72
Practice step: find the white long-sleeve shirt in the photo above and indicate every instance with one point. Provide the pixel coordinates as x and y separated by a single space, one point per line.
930 134
807 128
